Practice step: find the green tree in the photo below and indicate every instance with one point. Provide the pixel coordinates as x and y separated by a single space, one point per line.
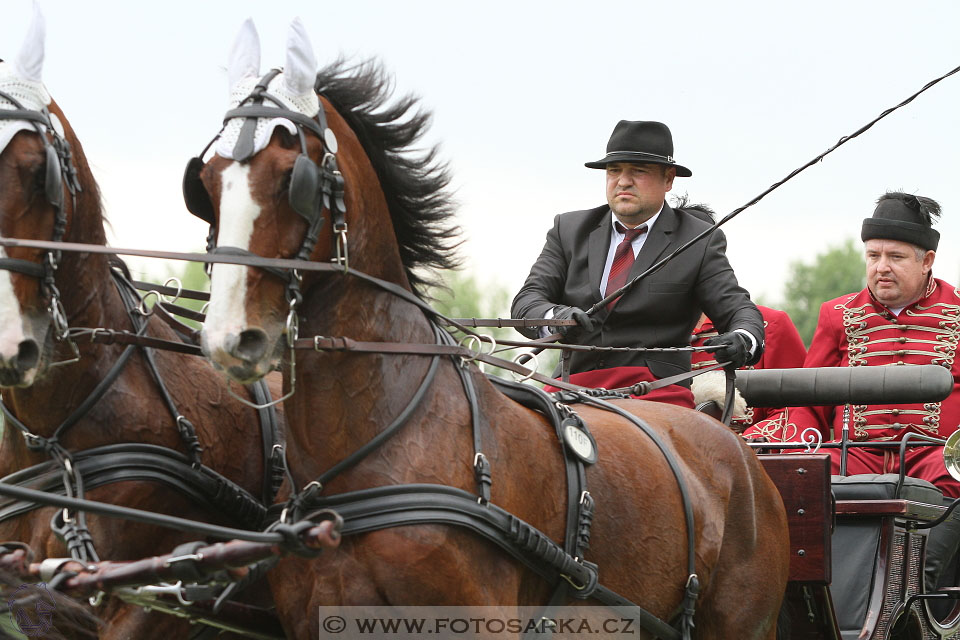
833 272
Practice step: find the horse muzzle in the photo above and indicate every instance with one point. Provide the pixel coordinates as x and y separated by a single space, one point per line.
18 367
245 356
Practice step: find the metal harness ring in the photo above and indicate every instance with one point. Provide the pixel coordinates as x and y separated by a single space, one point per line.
142 307
531 370
176 296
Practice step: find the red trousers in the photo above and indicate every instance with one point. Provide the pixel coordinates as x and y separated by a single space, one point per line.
925 463
618 377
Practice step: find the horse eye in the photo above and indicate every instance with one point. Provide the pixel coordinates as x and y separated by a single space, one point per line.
283 187
39 183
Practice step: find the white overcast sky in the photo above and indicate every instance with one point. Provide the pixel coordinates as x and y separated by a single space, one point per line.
524 92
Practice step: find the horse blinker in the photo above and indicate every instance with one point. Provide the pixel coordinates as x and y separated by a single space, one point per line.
53 181
305 187
195 195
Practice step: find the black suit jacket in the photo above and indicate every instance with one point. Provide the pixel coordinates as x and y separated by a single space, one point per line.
660 311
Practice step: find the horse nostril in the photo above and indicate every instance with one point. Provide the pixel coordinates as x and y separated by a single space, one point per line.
252 345
28 355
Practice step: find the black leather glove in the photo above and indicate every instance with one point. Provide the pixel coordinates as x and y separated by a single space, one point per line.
734 348
584 322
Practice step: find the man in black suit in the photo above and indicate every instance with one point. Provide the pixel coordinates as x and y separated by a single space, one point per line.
580 264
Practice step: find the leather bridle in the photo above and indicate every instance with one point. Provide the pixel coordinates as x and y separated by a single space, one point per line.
312 189
59 170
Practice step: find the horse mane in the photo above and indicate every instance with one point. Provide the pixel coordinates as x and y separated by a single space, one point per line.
414 182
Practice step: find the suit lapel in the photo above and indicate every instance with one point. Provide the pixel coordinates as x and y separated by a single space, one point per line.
598 247
657 242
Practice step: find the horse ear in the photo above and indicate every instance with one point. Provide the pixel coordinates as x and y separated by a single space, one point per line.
29 62
245 54
300 71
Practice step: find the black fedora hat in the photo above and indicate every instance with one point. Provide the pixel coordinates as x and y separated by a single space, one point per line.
640 142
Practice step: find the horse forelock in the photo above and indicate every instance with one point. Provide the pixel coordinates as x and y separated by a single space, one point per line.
416 184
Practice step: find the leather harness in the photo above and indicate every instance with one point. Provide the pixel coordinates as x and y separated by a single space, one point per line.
185 473
408 504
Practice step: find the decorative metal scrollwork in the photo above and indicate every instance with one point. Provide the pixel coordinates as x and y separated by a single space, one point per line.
812 438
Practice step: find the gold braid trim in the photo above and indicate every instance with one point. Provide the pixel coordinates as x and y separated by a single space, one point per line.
946 336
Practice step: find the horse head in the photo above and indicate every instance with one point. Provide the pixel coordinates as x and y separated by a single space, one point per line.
303 157
38 191
260 194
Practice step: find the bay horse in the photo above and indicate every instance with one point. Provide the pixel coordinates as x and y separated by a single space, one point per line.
172 410
289 139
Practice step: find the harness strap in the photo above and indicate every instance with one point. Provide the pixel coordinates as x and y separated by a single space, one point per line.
139 462
237 251
254 111
77 538
170 314
244 145
692 588
579 501
401 505
482 471
274 461
131 299
26 267
36 442
384 435
22 114
110 336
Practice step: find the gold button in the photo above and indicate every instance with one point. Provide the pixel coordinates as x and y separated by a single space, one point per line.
900 363
895 412
901 353
902 339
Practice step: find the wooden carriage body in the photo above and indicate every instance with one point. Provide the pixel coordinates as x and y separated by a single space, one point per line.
856 556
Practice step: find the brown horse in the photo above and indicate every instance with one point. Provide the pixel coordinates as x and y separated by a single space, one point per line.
48 192
397 216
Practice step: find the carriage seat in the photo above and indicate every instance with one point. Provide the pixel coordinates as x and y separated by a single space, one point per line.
857 545
883 486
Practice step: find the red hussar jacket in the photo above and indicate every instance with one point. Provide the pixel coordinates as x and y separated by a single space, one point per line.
784 350
856 330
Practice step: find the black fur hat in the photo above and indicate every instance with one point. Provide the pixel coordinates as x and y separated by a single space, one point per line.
904 217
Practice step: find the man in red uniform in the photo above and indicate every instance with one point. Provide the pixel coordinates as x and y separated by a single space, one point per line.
903 317
784 350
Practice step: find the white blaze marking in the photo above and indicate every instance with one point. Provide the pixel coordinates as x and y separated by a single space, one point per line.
11 324
228 282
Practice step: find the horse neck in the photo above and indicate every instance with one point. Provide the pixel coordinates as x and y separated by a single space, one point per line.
357 395
86 288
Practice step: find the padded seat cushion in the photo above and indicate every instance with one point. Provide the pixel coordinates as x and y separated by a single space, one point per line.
883 486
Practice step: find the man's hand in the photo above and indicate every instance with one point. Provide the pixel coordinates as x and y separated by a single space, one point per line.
563 312
734 348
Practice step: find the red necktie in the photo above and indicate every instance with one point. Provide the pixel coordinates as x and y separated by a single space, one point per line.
622 260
